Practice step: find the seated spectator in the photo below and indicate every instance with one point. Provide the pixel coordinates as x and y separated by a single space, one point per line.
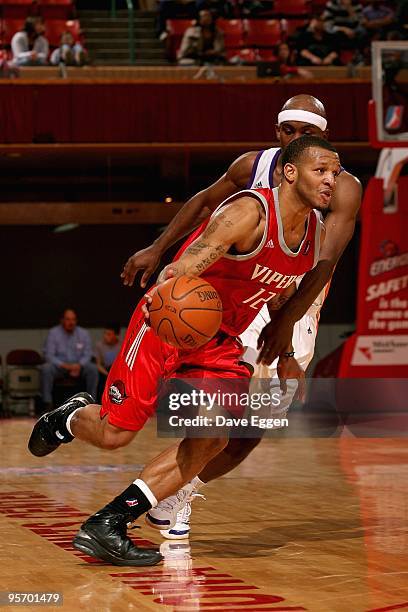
202 43
67 354
106 351
29 46
287 62
315 46
378 19
69 52
344 19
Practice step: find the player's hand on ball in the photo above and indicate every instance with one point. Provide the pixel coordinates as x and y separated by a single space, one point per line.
145 308
168 272
148 259
289 368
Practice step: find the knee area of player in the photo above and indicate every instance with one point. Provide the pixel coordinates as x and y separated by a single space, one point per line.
205 445
114 438
239 448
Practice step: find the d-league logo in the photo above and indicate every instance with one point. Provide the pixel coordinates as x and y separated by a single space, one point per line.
117 392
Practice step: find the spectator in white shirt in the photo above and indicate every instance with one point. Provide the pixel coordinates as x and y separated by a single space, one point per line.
29 46
70 52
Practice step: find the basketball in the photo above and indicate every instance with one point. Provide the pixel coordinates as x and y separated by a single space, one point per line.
186 311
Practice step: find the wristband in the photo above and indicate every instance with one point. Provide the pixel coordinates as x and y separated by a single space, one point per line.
290 354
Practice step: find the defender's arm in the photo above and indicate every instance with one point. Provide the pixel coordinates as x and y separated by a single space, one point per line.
235 222
339 225
194 212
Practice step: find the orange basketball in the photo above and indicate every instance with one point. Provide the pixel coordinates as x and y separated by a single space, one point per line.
186 311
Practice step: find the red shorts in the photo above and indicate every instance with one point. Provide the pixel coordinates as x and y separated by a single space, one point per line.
145 362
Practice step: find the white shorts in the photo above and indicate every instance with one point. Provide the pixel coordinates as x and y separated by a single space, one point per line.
303 340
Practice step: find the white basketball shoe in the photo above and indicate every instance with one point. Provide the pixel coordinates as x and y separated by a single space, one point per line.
181 529
164 515
173 514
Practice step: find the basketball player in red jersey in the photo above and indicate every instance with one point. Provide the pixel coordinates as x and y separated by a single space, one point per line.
233 252
301 115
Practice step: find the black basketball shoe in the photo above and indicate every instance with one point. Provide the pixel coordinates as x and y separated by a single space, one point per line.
104 536
50 431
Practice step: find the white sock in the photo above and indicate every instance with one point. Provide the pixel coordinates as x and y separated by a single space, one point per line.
145 489
197 483
68 421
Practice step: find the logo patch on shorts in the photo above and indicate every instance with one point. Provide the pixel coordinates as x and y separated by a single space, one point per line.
117 392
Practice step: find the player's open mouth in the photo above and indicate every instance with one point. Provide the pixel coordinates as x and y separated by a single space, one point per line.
326 195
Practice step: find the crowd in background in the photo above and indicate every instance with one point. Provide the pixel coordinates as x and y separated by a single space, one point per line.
70 360
343 25
30 47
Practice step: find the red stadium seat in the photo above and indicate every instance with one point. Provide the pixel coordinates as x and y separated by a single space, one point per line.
266 55
10 27
19 11
17 2
245 56
176 29
263 32
56 9
346 56
292 7
56 2
290 26
55 27
233 32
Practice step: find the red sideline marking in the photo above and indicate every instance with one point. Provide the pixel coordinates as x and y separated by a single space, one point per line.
180 588
393 607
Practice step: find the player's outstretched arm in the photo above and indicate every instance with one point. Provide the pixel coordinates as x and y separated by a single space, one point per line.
234 223
194 212
339 224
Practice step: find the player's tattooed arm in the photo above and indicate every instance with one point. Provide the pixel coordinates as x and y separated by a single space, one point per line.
194 212
236 222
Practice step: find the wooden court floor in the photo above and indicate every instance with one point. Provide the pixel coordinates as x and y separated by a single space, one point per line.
304 524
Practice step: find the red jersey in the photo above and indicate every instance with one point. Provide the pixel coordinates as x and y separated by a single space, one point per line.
245 282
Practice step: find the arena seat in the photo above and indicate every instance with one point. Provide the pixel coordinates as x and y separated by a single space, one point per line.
233 30
22 379
176 29
290 26
263 32
292 7
49 9
266 55
346 56
55 27
10 27
18 8
56 9
242 56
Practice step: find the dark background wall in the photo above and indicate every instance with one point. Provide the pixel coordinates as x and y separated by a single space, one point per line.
47 271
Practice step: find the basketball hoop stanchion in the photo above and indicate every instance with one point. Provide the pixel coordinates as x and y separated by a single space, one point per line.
392 158
379 347
373 134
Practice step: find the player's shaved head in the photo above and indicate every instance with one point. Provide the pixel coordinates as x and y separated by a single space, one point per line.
307 103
